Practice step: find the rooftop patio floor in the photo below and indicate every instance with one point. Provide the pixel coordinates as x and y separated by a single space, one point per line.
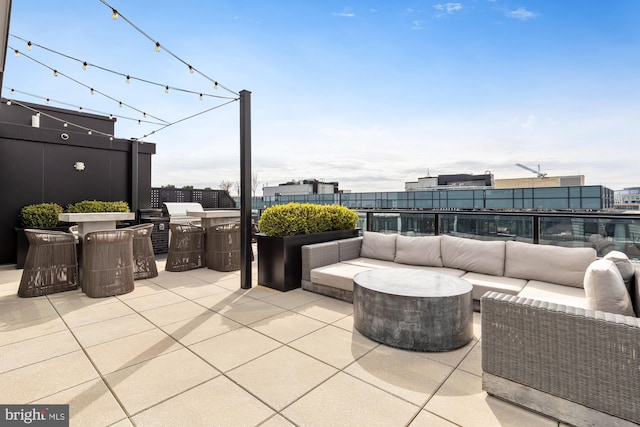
192 348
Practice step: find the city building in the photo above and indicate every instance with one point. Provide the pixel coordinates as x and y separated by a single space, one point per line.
627 199
300 188
543 181
450 182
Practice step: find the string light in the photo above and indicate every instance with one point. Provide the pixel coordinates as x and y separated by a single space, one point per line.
128 79
215 85
200 97
8 102
157 46
144 115
114 15
85 64
47 101
80 109
120 104
92 91
89 133
55 73
190 69
166 89
29 45
12 91
139 122
16 53
65 124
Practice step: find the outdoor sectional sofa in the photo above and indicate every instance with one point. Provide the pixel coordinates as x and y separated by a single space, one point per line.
559 331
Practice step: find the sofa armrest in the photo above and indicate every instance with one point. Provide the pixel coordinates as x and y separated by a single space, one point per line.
588 357
635 288
318 255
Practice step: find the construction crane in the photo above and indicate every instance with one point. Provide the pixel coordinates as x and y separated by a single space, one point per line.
537 172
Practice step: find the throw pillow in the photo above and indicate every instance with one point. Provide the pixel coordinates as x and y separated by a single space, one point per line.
621 260
378 246
605 289
423 250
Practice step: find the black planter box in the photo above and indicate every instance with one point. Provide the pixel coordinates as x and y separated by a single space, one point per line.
280 258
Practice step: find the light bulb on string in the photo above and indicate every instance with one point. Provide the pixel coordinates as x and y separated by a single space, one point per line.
89 132
144 115
84 65
55 73
157 46
139 122
8 102
92 91
29 45
110 138
46 101
80 109
128 79
190 69
110 116
200 97
166 89
114 15
16 53
12 91
120 103
215 85
65 124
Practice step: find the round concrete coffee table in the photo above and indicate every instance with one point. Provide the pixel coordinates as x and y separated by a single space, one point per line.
413 309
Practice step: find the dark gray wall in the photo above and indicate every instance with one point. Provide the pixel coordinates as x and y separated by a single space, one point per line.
36 166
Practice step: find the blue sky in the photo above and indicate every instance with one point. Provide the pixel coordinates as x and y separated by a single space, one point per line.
367 93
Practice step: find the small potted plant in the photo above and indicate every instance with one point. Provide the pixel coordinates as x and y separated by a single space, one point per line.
284 229
39 215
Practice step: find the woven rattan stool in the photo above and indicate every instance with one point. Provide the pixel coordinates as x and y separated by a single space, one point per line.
51 265
144 260
107 263
186 248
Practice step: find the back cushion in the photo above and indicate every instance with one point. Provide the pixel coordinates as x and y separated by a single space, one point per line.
624 265
418 250
478 256
605 289
378 246
553 264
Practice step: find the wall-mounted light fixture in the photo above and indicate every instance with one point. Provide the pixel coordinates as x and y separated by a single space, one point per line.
79 166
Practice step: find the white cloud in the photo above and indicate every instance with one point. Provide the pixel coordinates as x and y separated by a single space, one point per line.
345 13
522 14
449 8
417 25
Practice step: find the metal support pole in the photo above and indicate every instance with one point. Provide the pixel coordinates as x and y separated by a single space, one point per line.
135 177
245 189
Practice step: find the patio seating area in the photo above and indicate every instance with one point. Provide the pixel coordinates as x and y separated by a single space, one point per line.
192 348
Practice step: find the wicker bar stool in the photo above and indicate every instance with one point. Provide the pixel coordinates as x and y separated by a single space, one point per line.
107 263
51 264
144 260
186 248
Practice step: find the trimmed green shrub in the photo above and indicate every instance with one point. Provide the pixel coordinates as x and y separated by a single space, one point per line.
305 218
87 206
41 215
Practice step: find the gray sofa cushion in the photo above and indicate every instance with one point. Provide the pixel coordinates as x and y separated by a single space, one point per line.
476 256
553 264
424 250
606 290
378 246
551 292
625 267
485 282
